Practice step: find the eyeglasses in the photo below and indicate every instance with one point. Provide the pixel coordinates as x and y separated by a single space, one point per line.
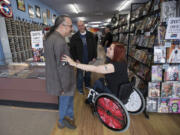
67 25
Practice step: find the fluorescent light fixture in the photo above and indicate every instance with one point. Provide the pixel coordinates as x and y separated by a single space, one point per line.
74 8
94 26
108 20
106 23
7 1
124 4
98 22
81 18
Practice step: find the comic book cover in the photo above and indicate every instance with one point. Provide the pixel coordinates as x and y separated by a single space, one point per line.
154 89
173 54
171 73
176 87
161 35
159 54
167 89
168 9
163 105
152 104
156 73
151 41
174 105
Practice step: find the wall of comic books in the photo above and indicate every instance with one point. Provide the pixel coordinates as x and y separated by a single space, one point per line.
142 34
20 39
164 88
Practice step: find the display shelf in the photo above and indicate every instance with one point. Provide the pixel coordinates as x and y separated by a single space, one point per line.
19 38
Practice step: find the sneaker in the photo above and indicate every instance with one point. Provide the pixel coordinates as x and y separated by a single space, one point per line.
60 126
81 92
69 123
87 101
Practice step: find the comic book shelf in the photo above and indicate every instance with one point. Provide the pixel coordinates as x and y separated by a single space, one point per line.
138 32
164 88
144 18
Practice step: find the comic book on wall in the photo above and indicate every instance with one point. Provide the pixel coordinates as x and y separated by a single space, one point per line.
159 54
156 73
151 41
168 9
174 105
173 54
152 104
161 35
176 87
167 89
171 73
163 105
154 89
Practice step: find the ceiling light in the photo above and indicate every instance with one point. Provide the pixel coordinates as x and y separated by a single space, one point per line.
124 4
94 26
7 1
98 22
81 18
74 8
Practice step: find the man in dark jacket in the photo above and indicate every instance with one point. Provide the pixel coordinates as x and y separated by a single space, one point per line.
83 49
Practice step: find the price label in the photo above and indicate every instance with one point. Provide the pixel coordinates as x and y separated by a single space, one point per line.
167 44
144 12
156 7
165 66
147 33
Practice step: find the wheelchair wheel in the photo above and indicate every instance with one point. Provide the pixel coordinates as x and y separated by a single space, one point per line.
111 112
136 102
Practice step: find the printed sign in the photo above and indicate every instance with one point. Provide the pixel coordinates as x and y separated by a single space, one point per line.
36 39
173 28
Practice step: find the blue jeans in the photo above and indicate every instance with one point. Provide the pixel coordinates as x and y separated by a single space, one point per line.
66 107
100 87
80 79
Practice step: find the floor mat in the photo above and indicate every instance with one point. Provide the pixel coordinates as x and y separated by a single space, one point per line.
26 121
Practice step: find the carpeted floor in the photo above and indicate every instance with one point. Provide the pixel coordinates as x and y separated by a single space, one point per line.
26 121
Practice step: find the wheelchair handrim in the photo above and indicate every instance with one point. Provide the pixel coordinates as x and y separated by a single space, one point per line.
111 112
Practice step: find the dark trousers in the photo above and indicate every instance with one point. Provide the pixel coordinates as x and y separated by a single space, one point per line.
83 76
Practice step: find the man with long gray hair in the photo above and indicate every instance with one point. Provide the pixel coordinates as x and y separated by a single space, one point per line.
60 79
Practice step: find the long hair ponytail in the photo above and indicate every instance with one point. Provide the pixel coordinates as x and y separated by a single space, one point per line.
59 20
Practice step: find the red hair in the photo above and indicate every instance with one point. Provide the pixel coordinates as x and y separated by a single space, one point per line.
119 52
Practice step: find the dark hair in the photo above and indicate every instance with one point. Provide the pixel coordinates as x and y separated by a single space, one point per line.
119 52
59 20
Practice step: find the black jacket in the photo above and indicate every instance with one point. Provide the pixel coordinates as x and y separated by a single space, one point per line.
76 46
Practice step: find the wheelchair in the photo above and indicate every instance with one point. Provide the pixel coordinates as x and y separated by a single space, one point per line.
112 111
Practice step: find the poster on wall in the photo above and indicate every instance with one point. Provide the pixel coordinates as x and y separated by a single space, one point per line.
31 11
21 5
173 28
48 14
38 11
37 46
53 18
44 18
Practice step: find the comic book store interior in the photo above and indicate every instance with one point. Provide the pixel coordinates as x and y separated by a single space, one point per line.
89 67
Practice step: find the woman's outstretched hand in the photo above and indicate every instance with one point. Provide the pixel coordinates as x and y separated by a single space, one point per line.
66 58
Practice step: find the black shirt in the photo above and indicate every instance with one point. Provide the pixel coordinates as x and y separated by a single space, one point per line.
120 76
109 38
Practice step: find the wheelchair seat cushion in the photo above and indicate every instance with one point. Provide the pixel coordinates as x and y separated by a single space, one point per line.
125 91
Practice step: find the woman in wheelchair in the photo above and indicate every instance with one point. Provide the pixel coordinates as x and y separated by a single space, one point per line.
115 70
